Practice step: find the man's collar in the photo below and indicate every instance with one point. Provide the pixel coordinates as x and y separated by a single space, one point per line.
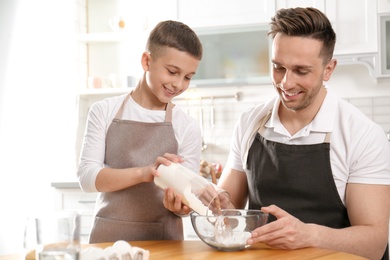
323 121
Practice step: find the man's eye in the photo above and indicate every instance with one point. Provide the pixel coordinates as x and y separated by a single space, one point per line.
278 68
302 72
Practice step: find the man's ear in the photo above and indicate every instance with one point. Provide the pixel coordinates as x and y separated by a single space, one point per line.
329 68
145 59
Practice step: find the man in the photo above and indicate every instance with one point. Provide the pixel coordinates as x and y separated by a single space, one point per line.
310 159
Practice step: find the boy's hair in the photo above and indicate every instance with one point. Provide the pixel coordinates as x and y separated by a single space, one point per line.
305 22
176 35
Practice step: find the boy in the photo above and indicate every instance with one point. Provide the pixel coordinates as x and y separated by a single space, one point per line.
129 136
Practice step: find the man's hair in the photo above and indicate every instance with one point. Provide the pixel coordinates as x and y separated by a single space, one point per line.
305 22
176 35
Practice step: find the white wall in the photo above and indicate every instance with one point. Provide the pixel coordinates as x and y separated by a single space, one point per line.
37 109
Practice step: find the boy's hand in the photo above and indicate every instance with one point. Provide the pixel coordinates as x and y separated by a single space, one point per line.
173 202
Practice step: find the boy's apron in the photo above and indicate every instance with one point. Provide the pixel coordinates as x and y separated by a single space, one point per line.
296 178
137 212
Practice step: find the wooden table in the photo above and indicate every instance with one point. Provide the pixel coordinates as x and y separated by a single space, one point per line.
168 249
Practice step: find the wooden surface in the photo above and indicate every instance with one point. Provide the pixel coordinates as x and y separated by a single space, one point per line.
167 249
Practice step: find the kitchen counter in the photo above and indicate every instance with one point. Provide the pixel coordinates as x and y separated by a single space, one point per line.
65 185
168 249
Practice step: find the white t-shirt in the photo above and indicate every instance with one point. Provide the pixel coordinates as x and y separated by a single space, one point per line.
101 114
359 152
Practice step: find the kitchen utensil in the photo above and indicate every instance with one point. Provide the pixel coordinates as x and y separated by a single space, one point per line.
53 235
212 120
117 23
230 230
94 82
201 123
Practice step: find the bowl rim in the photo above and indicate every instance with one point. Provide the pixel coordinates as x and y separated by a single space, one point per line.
194 213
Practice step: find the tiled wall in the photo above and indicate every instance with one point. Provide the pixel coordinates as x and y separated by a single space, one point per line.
376 108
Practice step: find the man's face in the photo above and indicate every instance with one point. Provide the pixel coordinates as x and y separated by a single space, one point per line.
298 71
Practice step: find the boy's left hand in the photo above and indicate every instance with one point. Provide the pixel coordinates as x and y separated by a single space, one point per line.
173 202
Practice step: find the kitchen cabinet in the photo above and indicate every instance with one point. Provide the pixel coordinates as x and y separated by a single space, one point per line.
319 4
384 53
233 55
383 6
205 13
70 197
355 27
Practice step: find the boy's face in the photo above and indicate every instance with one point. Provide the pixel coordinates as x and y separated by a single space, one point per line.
169 73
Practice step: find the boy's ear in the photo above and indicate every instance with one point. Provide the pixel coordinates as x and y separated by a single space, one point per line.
145 59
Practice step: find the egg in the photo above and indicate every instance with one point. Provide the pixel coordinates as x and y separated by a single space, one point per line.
92 253
111 253
122 247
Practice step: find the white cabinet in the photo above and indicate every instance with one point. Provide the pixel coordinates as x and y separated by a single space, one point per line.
355 23
356 28
76 200
383 6
234 56
319 4
205 13
384 53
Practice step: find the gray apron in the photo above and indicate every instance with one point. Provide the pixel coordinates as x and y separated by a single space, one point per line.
137 212
296 178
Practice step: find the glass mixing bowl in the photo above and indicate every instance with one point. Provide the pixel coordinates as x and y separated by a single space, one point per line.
230 230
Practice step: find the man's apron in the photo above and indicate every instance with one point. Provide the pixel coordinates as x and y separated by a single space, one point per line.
137 212
296 178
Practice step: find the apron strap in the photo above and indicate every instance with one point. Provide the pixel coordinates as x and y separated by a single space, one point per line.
256 128
168 112
120 111
327 137
260 126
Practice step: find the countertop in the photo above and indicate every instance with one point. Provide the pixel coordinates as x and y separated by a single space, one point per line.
168 249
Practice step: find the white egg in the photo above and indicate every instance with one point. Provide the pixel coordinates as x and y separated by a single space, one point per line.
122 246
111 253
92 253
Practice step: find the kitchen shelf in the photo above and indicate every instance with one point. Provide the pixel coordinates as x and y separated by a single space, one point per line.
104 91
105 37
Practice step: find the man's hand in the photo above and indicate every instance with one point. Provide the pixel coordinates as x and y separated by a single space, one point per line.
287 232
